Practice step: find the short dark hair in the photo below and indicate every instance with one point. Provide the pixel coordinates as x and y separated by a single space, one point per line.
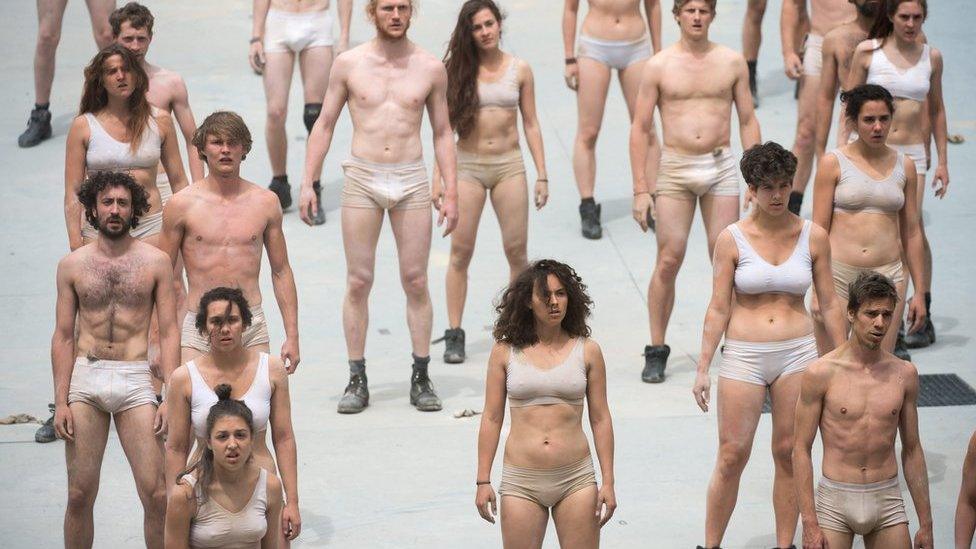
767 162
225 124
856 98
102 180
868 286
515 324
222 293
136 14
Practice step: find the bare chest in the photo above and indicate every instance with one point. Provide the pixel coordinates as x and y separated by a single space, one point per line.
228 227
104 284
697 79
865 404
375 87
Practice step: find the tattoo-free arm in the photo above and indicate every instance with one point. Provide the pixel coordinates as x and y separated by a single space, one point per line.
169 334
282 433
829 84
184 119
910 229
720 305
749 132
912 455
260 16
789 21
966 506
809 407
63 340
444 151
937 114
823 284
180 510
599 409
74 176
345 17
642 135
179 438
282 278
530 121
828 171
570 9
652 10
170 157
494 411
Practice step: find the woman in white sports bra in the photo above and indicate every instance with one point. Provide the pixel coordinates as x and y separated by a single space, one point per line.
486 90
864 196
545 363
763 267
897 58
118 130
225 499
257 379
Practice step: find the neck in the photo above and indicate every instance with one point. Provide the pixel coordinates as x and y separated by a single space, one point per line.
695 45
864 22
772 222
118 106
869 151
905 45
114 247
490 57
863 354
392 47
227 476
226 184
548 334
232 359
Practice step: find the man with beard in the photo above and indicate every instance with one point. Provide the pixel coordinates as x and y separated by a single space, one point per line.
860 397
107 290
387 82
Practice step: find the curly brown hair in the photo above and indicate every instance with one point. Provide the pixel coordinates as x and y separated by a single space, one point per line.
766 163
99 181
461 61
515 324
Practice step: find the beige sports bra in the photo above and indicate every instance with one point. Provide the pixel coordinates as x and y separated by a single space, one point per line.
564 383
857 191
215 526
503 93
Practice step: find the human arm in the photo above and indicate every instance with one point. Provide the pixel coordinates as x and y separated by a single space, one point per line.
271 539
259 17
601 425
643 141
860 62
823 284
63 348
829 84
169 335
74 175
913 459
789 22
940 129
809 407
966 506
652 11
828 171
345 17
491 428
170 153
718 313
571 71
533 134
909 225
320 138
283 282
179 437
749 133
445 153
184 119
171 235
286 451
180 510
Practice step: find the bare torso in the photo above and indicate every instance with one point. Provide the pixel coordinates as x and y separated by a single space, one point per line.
827 14
841 43
861 413
695 97
496 129
163 86
614 20
300 6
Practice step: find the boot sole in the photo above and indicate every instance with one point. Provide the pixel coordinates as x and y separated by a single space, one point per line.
43 138
342 410
453 359
413 402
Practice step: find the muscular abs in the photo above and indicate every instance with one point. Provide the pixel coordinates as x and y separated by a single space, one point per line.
115 299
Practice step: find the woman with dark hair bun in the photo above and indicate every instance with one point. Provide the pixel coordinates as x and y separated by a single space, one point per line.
545 363
225 477
486 89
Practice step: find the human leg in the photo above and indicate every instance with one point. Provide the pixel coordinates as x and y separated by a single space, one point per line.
135 428
803 142
83 456
784 393
360 232
510 201
523 523
591 97
676 215
315 64
577 522
412 233
892 537
739 406
471 202
718 212
50 14
99 12
751 39
278 70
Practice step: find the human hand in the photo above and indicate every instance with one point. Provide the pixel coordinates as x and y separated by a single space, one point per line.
485 501
289 354
940 181
813 537
256 57
64 422
161 422
571 76
792 65
436 193
308 204
291 521
448 213
607 502
923 538
343 44
916 313
643 205
702 390
541 193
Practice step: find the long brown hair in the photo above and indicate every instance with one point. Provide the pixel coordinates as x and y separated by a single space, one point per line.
883 27
461 60
94 97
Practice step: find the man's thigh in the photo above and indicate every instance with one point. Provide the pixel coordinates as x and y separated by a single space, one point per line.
84 455
412 230
360 232
50 14
718 212
892 537
838 540
674 217
136 434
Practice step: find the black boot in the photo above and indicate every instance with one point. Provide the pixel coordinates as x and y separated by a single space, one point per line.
590 218
922 338
753 86
655 360
454 346
900 350
46 432
422 394
796 202
38 128
319 217
279 185
355 399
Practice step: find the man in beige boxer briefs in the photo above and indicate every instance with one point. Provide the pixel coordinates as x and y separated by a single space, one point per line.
695 83
860 397
221 224
387 82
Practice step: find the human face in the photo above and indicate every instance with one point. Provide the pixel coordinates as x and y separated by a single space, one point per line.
871 321
549 303
225 325
224 156
392 18
135 40
873 122
866 8
230 440
772 196
117 78
908 20
694 18
113 210
485 30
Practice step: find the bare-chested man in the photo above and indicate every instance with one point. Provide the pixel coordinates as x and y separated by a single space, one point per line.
838 51
281 31
825 15
220 224
695 84
111 287
860 397
387 83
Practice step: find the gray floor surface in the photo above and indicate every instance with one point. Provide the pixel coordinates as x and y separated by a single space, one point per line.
393 477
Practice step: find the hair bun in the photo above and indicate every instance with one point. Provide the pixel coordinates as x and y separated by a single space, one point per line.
223 391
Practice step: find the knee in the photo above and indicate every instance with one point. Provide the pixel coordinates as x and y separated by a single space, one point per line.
358 285
668 264
783 455
104 37
461 256
81 498
48 39
806 130
755 11
277 115
415 283
732 459
516 254
587 136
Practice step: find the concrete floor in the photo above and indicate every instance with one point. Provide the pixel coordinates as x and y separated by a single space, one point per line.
393 477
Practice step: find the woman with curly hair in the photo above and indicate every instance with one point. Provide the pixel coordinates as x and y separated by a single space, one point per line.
545 363
767 261
486 89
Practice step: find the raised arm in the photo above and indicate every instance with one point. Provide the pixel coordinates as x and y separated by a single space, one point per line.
940 130
652 11
491 429
744 107
184 119
823 284
283 282
63 348
533 133
966 506
602 426
444 152
829 84
642 139
718 313
789 22
809 407
571 72
345 17
170 154
909 225
179 439
286 451
74 176
320 138
828 171
913 459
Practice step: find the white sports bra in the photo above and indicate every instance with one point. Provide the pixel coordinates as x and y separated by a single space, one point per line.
912 83
107 153
856 191
257 398
502 94
755 275
564 383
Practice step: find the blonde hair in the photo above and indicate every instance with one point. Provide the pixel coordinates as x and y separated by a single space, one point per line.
225 124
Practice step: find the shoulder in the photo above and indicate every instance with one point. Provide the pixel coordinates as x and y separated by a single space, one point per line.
591 349
522 67
427 59
155 256
500 352
72 258
79 125
830 160
936 56
818 235
180 378
906 369
865 47
727 55
820 371
162 116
